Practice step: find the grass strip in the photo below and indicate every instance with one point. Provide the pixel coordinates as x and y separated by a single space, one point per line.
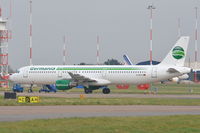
45 101
156 124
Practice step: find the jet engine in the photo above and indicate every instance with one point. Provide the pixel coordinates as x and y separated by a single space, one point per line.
64 84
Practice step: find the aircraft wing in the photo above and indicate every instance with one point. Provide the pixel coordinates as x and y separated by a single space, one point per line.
80 78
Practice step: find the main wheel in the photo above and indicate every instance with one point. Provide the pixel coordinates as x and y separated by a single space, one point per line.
87 91
106 91
90 91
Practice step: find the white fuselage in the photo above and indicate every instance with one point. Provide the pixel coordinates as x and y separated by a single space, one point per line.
104 75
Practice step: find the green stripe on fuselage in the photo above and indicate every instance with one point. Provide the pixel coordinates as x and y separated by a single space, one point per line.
100 68
85 68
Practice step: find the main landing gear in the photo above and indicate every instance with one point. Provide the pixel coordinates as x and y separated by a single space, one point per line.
88 90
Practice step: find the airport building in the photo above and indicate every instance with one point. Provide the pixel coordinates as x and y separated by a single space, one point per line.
196 67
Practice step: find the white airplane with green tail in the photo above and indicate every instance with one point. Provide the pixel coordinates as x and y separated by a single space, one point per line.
93 77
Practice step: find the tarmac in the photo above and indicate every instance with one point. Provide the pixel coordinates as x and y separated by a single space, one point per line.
18 113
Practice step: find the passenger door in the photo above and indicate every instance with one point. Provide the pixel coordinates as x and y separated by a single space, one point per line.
25 75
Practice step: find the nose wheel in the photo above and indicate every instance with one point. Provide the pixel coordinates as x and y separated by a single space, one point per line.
106 91
31 89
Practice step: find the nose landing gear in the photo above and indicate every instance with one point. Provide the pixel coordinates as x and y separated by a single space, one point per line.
87 90
31 89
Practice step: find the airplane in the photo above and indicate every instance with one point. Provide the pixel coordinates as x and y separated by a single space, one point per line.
94 77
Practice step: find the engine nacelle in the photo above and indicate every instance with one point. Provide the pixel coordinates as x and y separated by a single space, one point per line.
64 84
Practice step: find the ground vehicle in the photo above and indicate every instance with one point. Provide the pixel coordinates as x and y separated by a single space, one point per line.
48 88
17 88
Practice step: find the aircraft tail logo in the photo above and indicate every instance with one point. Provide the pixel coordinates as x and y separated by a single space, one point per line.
178 52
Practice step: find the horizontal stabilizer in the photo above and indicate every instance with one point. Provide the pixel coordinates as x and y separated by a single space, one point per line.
172 70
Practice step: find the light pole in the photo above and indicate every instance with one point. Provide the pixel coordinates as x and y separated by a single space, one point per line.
196 37
151 8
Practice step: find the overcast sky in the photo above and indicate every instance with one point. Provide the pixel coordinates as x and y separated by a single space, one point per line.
123 27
